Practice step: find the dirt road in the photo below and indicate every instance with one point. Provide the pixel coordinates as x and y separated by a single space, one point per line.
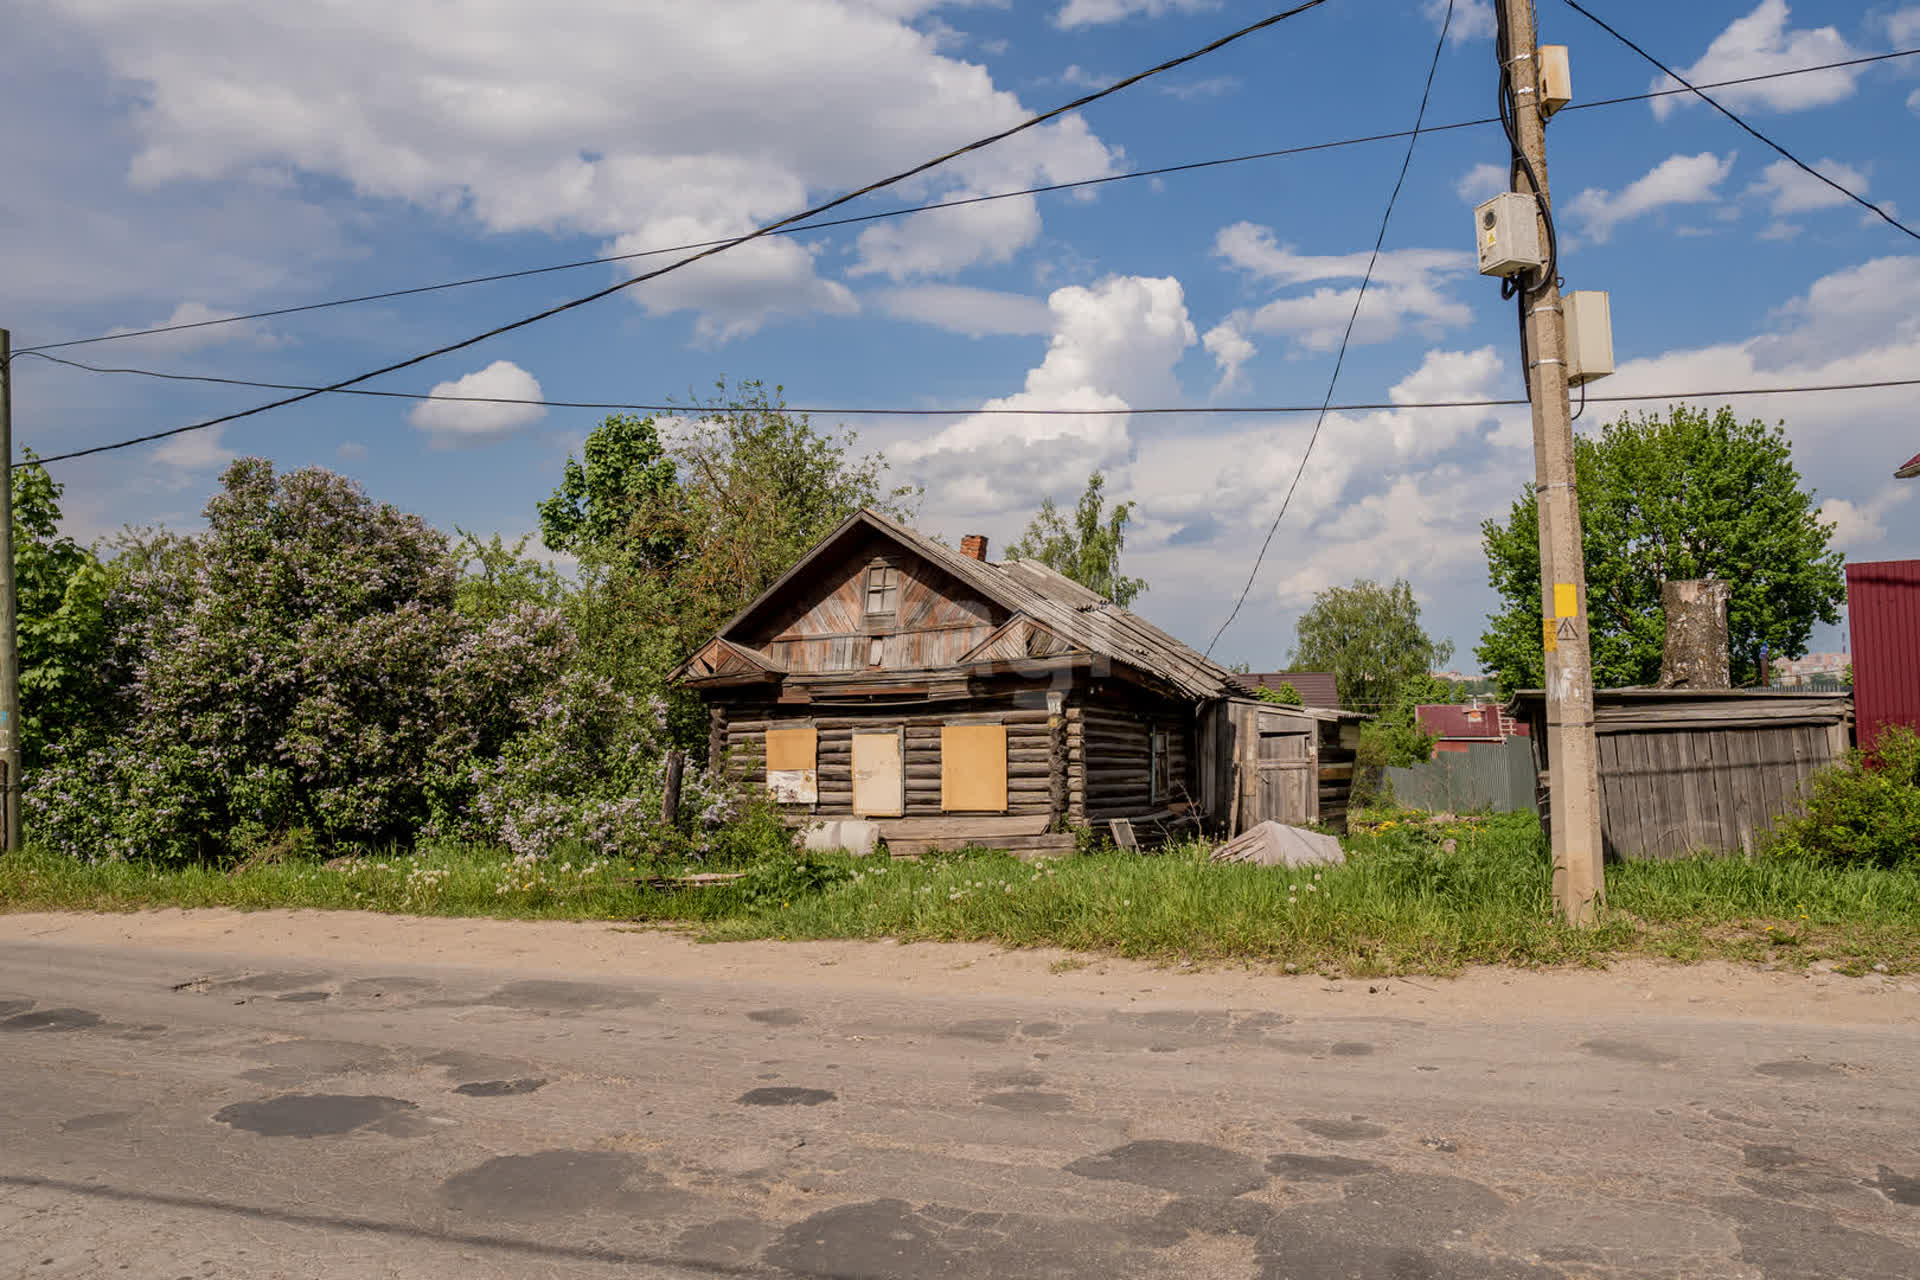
316 1094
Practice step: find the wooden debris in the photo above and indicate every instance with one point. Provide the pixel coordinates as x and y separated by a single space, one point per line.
698 880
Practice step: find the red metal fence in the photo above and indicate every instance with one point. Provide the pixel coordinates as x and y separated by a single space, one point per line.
1883 607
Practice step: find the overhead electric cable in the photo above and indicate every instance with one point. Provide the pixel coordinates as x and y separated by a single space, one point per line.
828 224
1340 357
1796 161
922 412
768 229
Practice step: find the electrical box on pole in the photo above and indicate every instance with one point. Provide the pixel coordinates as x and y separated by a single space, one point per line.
1589 335
1556 78
1508 234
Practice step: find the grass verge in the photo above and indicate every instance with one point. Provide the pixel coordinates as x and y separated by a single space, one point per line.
1416 896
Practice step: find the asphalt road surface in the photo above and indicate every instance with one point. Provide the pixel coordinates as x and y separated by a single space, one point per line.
165 1113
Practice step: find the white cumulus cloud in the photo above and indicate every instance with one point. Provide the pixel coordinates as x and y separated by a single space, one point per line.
1677 180
1761 43
1087 13
1472 19
1230 349
1859 525
1406 289
647 123
449 423
1790 189
1482 182
205 327
1114 345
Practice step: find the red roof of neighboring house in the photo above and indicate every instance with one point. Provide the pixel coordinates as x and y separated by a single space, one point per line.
1450 722
1908 469
1316 688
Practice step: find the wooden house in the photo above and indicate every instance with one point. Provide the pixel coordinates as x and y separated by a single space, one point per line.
954 700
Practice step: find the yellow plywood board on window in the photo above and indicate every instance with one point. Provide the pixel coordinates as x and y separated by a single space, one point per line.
879 781
792 777
973 768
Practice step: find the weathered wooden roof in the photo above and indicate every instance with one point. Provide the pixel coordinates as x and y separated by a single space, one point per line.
1080 617
1629 710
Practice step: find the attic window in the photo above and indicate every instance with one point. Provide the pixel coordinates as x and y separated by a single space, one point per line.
883 591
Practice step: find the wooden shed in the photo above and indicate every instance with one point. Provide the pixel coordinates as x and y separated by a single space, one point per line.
954 700
1698 770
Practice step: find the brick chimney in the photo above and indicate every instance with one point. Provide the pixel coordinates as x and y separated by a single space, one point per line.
975 545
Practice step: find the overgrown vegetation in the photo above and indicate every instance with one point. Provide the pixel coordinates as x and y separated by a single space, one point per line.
318 671
1418 895
1865 812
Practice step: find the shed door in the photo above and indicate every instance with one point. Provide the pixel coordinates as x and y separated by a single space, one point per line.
1289 778
879 782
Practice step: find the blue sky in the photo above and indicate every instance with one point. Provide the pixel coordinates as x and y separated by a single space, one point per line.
191 158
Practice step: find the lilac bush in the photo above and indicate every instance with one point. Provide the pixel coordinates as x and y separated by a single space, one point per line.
302 667
588 772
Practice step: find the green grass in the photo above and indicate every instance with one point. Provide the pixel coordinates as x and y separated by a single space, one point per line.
1404 903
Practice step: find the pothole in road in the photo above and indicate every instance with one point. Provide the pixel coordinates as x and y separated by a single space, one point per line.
499 1088
786 1095
51 1020
320 1115
1188 1168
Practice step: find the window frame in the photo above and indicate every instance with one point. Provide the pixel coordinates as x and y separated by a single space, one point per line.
882 581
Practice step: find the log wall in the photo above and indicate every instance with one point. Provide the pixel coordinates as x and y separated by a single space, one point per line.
1029 751
1113 778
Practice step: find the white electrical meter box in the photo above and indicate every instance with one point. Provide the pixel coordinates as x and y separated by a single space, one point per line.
1508 233
1589 324
1556 78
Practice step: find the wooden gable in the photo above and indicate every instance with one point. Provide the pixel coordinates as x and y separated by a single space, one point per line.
1021 638
826 625
721 660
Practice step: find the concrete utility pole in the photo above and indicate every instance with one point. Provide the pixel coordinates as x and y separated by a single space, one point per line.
9 631
1579 883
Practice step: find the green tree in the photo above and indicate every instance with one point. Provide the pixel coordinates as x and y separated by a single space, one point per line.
750 487
61 590
1690 495
1370 637
497 578
1085 547
624 470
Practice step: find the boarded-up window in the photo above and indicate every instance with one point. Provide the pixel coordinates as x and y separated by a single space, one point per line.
973 768
1160 759
792 776
883 591
879 781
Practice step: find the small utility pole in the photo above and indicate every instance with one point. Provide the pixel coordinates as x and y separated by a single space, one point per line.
9 628
1579 883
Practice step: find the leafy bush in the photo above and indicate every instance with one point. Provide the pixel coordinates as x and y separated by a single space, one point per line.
1285 695
301 665
1865 812
588 771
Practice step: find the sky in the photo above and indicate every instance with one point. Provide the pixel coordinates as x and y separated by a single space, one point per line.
177 160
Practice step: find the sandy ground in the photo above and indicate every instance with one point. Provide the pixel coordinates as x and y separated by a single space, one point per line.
975 969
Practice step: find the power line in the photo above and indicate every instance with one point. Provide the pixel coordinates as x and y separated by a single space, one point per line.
768 229
828 224
1797 162
1340 357
923 412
